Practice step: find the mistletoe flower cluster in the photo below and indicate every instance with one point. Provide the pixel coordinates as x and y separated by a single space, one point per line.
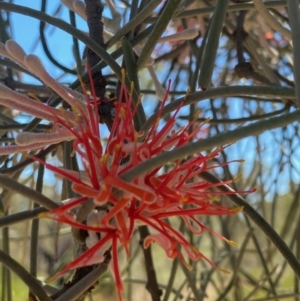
120 206
111 206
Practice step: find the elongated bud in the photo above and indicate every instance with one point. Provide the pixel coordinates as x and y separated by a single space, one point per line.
16 101
35 66
27 138
25 109
14 149
16 51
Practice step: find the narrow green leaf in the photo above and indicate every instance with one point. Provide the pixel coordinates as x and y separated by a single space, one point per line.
157 31
211 47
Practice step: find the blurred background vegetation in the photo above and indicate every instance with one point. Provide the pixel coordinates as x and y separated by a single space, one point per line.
251 51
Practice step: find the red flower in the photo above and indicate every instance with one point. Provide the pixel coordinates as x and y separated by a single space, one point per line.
149 199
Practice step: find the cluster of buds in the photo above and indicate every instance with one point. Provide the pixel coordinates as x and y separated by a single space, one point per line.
119 206
31 105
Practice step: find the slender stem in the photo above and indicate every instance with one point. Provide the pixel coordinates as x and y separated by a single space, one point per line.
240 35
33 284
172 276
238 120
11 219
262 258
191 282
212 44
268 91
6 274
35 226
67 159
76 49
134 10
45 45
131 69
152 284
198 62
294 16
237 265
35 196
130 64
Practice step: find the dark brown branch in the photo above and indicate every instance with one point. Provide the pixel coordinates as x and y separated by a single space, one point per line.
240 35
94 15
94 10
73 287
152 284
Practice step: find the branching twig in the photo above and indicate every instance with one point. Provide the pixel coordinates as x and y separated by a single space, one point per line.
152 284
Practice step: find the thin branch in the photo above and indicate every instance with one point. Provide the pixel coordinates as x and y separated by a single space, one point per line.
84 284
152 284
294 16
267 91
30 193
11 219
33 284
